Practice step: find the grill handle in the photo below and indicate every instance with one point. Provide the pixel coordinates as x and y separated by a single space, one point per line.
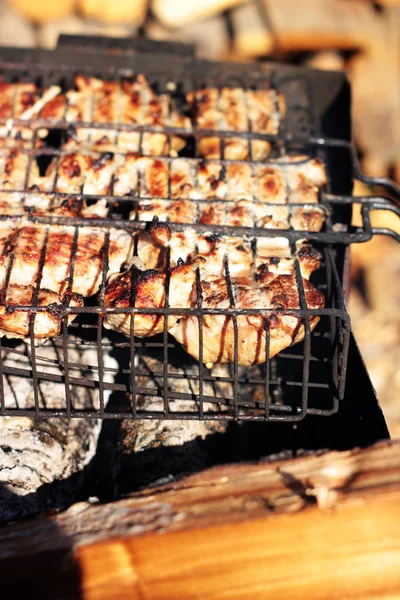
391 203
390 186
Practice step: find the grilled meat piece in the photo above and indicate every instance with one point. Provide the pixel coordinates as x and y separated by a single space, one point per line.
27 243
218 331
236 109
265 195
243 253
217 262
130 101
15 100
147 289
37 254
243 213
15 323
267 290
296 179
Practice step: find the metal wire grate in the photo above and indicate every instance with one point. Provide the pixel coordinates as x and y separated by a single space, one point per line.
153 376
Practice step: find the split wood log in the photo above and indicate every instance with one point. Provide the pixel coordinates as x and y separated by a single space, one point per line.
15 30
318 527
396 172
210 36
74 25
175 13
375 78
42 11
321 24
326 60
384 2
252 37
121 12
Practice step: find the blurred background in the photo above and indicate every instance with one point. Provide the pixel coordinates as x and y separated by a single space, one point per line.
358 36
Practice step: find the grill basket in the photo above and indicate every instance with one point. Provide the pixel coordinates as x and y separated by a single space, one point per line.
148 374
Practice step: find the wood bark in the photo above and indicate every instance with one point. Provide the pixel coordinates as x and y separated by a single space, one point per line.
317 527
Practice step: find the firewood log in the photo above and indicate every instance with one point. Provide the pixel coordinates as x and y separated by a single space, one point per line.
122 11
375 78
252 37
327 60
175 13
15 30
321 24
74 25
317 527
210 36
42 11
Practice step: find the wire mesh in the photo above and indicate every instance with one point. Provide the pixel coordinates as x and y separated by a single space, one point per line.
306 379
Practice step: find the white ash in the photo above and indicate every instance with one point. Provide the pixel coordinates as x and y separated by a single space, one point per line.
155 450
35 453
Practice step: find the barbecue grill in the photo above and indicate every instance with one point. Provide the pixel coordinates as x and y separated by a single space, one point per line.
307 379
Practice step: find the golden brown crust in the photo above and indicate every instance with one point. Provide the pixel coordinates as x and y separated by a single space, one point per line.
134 101
147 289
270 284
218 331
24 241
235 109
19 323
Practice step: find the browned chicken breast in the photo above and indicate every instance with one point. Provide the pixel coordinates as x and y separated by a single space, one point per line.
129 101
70 258
296 179
147 289
265 291
243 213
258 280
267 197
15 100
15 323
28 242
236 109
241 253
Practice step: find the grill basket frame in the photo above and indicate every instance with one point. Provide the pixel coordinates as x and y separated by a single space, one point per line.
318 120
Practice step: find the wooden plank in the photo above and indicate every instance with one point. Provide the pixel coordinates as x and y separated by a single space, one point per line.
258 559
321 24
319 527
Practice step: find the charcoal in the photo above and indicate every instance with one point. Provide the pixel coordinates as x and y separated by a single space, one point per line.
42 460
150 451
